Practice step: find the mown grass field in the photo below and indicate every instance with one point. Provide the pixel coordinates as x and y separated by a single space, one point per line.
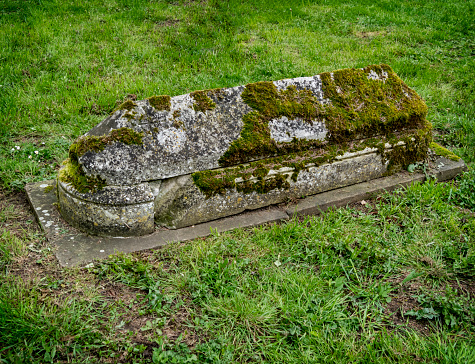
387 280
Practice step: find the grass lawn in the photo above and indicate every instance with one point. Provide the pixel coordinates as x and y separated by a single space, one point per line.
386 280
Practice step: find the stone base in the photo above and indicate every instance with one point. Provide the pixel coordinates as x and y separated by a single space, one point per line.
180 203
75 248
113 211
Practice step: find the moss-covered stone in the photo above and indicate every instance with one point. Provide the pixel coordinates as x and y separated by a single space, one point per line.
363 103
404 148
160 103
364 106
73 173
255 141
202 101
98 143
443 152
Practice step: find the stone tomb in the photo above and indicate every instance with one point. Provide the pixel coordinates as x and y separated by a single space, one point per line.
179 161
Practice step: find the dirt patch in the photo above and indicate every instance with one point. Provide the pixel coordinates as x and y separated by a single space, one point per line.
16 215
404 299
111 290
401 303
370 34
168 23
144 329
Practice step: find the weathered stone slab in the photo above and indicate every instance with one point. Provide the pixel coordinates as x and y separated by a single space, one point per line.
179 139
443 169
190 133
214 153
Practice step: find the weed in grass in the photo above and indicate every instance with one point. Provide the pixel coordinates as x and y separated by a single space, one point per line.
464 195
450 309
124 268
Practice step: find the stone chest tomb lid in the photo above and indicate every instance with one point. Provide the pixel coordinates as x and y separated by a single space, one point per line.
162 137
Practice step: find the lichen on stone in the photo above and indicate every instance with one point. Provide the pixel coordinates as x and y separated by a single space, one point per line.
405 148
98 143
269 103
363 105
160 103
73 173
443 152
414 149
202 101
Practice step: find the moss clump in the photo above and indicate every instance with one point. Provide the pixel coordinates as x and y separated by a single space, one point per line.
202 101
73 173
361 107
127 105
269 103
98 143
178 124
160 103
443 152
415 148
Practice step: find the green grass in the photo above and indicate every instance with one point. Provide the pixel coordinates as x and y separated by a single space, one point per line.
387 281
65 66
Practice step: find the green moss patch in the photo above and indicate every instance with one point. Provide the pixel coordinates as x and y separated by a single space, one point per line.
202 101
443 152
98 143
160 103
128 105
360 108
255 141
414 149
73 173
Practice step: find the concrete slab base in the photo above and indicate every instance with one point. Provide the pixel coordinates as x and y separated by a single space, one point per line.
75 248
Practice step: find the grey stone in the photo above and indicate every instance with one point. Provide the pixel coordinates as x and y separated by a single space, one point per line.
180 203
284 130
175 142
447 169
111 212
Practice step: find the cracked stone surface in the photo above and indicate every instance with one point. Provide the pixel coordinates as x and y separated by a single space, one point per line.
175 142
